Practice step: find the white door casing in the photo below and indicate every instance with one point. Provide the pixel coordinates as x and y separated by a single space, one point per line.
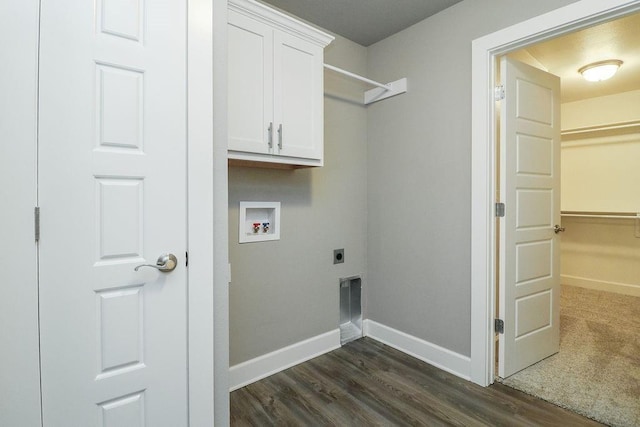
19 341
112 191
529 260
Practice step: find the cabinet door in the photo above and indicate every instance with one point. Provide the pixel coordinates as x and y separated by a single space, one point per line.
298 97
250 84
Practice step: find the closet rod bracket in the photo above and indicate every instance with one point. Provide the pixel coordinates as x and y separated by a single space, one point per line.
378 94
382 91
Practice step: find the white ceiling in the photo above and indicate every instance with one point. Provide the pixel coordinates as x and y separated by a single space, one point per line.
563 56
363 21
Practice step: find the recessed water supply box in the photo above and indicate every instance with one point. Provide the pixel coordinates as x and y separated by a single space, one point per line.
259 222
350 309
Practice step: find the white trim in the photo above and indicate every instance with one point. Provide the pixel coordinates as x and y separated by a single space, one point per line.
601 285
277 19
433 354
201 210
220 218
263 366
19 336
484 53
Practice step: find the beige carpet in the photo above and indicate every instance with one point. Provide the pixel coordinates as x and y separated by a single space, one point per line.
597 371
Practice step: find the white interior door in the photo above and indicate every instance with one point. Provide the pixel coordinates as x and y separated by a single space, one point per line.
112 192
529 274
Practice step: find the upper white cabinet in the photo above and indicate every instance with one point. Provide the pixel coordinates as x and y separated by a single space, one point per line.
275 87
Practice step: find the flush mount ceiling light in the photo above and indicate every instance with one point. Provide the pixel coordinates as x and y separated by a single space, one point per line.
599 71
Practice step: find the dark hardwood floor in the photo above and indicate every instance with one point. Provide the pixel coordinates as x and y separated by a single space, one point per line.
366 383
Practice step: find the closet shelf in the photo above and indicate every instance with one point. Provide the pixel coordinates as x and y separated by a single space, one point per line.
615 215
382 91
623 128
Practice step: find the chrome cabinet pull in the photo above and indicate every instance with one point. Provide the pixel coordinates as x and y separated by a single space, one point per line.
270 130
165 263
280 136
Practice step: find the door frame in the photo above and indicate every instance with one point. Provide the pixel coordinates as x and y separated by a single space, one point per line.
485 51
19 368
207 217
207 232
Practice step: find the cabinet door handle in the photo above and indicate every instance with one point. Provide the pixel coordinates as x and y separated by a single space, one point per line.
270 133
280 136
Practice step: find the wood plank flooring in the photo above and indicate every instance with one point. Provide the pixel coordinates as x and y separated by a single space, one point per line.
366 383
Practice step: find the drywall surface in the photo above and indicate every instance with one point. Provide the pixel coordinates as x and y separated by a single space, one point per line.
286 291
601 174
419 162
600 167
602 254
601 111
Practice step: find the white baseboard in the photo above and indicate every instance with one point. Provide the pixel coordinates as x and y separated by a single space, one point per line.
253 370
600 285
435 355
263 366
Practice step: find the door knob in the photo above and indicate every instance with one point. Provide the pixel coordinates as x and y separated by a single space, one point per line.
165 263
557 229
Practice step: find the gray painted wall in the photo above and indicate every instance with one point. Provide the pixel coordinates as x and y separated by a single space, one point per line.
395 193
286 291
419 163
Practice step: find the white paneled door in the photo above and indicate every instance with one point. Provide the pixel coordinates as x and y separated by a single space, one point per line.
529 274
112 193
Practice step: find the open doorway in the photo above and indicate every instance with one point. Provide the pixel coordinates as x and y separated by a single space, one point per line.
596 371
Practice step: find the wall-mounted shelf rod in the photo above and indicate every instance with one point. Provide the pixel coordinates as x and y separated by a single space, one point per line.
381 91
614 215
631 127
357 77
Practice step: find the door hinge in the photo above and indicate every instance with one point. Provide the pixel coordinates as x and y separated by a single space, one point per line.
500 210
499 326
498 93
36 222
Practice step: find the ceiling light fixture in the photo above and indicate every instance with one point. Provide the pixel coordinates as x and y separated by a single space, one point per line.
599 71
